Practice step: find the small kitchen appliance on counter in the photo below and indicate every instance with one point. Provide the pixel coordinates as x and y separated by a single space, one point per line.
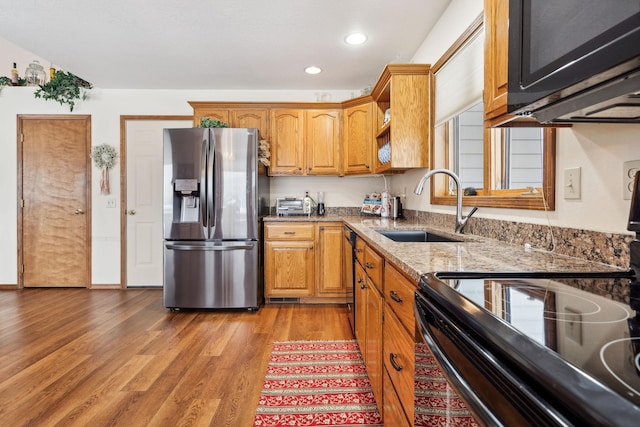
536 348
290 206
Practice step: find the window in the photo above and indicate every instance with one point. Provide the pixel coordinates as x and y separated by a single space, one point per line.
498 167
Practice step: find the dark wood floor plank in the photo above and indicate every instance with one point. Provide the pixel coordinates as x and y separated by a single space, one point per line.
78 357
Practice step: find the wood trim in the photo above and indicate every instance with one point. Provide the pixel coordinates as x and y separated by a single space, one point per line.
473 28
265 105
20 187
123 185
513 198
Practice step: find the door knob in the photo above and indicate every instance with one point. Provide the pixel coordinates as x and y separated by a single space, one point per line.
79 211
131 212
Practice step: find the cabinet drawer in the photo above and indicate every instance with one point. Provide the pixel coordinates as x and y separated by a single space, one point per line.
373 266
399 360
393 413
289 231
399 295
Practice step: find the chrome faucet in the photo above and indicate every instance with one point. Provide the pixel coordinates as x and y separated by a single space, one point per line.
460 221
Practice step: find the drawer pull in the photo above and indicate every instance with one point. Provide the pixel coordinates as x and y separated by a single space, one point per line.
392 359
363 286
368 265
290 232
394 296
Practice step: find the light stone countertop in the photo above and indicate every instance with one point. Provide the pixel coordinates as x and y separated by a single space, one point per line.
472 254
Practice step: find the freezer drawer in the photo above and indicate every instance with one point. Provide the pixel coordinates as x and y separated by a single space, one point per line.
212 275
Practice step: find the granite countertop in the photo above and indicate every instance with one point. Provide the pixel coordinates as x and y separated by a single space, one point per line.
471 254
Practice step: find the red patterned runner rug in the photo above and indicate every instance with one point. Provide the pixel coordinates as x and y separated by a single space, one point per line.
316 383
436 403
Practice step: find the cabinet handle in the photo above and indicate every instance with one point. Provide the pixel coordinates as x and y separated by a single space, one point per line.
366 166
360 280
369 266
392 359
394 296
290 232
363 286
358 251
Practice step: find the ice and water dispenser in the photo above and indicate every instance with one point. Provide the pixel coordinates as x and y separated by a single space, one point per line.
186 200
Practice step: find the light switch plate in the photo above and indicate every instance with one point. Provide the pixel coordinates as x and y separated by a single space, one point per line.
629 170
572 183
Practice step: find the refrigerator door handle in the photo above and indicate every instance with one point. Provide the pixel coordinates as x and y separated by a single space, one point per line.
211 220
183 247
203 186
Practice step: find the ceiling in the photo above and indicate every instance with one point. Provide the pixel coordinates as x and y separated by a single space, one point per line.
220 44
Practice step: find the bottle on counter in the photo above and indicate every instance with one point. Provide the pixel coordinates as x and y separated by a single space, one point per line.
384 209
14 75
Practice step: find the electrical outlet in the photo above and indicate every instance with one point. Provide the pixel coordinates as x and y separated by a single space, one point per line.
111 203
572 184
629 170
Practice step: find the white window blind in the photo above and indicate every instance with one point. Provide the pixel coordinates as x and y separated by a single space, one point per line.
459 83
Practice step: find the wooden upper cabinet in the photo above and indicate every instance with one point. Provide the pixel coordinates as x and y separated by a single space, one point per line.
357 138
221 114
287 143
403 89
496 53
251 118
237 117
322 142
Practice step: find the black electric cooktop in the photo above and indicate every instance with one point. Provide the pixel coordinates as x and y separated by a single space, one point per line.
588 322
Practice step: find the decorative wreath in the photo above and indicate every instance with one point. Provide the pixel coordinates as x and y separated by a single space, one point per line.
104 156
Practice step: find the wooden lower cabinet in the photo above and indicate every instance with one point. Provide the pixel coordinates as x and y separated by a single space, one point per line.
304 260
373 344
399 360
329 252
369 304
289 269
393 413
289 260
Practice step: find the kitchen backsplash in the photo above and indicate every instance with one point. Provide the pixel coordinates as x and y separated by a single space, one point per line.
607 248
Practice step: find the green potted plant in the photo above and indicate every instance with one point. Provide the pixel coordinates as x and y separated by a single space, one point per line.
65 88
206 122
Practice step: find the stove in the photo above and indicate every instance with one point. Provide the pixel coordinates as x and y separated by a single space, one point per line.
536 348
596 334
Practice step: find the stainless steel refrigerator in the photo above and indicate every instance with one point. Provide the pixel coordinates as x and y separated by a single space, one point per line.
215 194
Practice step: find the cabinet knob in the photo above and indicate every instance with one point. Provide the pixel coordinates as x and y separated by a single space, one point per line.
79 211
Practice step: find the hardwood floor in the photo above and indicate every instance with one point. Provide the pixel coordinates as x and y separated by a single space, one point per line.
79 357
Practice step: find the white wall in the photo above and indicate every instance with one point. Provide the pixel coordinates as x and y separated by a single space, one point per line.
599 149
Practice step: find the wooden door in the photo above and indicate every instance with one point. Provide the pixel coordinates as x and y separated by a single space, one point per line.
358 139
55 222
221 114
496 15
289 268
373 346
322 142
329 259
142 155
251 118
287 149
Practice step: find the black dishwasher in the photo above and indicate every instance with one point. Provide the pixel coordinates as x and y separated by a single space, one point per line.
349 259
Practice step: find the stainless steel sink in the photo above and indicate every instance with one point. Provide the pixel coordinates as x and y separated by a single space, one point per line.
415 236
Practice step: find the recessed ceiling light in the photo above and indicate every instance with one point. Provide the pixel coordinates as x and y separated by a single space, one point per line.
355 39
313 70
